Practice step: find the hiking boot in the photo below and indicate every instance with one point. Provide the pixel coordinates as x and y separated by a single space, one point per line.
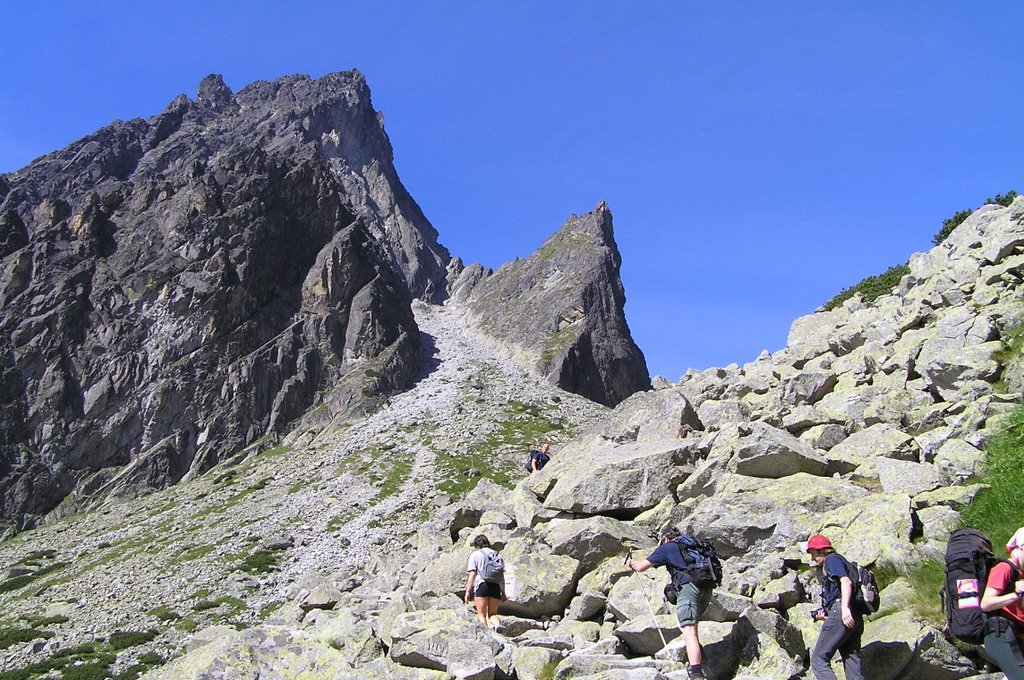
694 672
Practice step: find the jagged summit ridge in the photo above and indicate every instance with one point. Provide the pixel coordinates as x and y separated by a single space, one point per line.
560 311
179 288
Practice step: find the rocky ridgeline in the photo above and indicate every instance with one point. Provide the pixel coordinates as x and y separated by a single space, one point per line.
178 288
570 291
864 428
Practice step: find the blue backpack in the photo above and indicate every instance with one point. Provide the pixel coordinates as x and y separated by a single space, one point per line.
703 568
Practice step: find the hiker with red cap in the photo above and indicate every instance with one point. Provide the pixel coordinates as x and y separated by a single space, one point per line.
843 622
1002 601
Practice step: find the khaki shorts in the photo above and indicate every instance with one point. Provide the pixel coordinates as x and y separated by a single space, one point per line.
691 602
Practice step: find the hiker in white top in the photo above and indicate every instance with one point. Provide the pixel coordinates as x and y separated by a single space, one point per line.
485 586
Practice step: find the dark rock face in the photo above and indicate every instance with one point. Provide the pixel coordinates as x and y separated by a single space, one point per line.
177 288
560 311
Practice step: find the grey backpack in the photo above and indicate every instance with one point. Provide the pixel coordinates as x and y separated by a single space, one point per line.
493 566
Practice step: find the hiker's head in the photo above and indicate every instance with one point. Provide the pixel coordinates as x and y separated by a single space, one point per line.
1015 546
819 547
670 534
544 447
481 542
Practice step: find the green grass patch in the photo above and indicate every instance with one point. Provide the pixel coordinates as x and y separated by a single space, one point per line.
187 625
12 636
872 287
164 613
225 605
260 562
556 342
16 583
274 452
997 510
152 659
336 523
123 639
193 553
505 446
19 582
42 621
37 556
268 610
226 478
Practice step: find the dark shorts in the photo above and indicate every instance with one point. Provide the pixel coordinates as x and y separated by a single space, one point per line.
488 589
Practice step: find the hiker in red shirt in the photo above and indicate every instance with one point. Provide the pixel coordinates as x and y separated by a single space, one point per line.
1002 600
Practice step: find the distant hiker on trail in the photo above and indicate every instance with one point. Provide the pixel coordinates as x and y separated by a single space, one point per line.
1002 600
844 623
485 586
539 458
694 583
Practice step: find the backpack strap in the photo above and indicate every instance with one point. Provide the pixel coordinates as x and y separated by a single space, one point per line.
675 572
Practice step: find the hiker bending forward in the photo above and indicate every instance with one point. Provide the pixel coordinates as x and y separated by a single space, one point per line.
691 600
1002 599
844 624
540 457
485 588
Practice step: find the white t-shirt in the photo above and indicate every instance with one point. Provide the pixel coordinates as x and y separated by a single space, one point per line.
476 562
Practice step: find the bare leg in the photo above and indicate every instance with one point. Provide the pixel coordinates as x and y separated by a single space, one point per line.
492 611
481 609
692 645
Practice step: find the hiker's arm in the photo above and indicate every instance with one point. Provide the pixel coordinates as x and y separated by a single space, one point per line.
533 463
469 586
846 590
992 600
639 565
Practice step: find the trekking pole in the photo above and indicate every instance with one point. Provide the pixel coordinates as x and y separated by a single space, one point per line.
650 607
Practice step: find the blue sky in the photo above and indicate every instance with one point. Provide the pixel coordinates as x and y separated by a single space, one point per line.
757 157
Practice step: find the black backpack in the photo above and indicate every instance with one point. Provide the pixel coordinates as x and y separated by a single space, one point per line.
969 559
703 568
865 587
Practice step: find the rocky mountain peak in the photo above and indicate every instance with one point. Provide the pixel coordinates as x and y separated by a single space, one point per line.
214 93
179 288
559 312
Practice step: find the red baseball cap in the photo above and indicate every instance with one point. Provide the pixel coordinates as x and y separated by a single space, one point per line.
818 542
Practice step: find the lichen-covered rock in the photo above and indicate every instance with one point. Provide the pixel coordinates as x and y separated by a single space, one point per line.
422 639
770 452
622 479
258 653
646 636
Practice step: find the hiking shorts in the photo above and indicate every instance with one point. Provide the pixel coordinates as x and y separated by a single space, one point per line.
488 589
691 602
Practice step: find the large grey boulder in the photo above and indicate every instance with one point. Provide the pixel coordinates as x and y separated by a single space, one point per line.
647 635
881 440
872 529
537 582
257 652
592 540
897 646
769 452
423 639
755 514
572 295
621 479
653 415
